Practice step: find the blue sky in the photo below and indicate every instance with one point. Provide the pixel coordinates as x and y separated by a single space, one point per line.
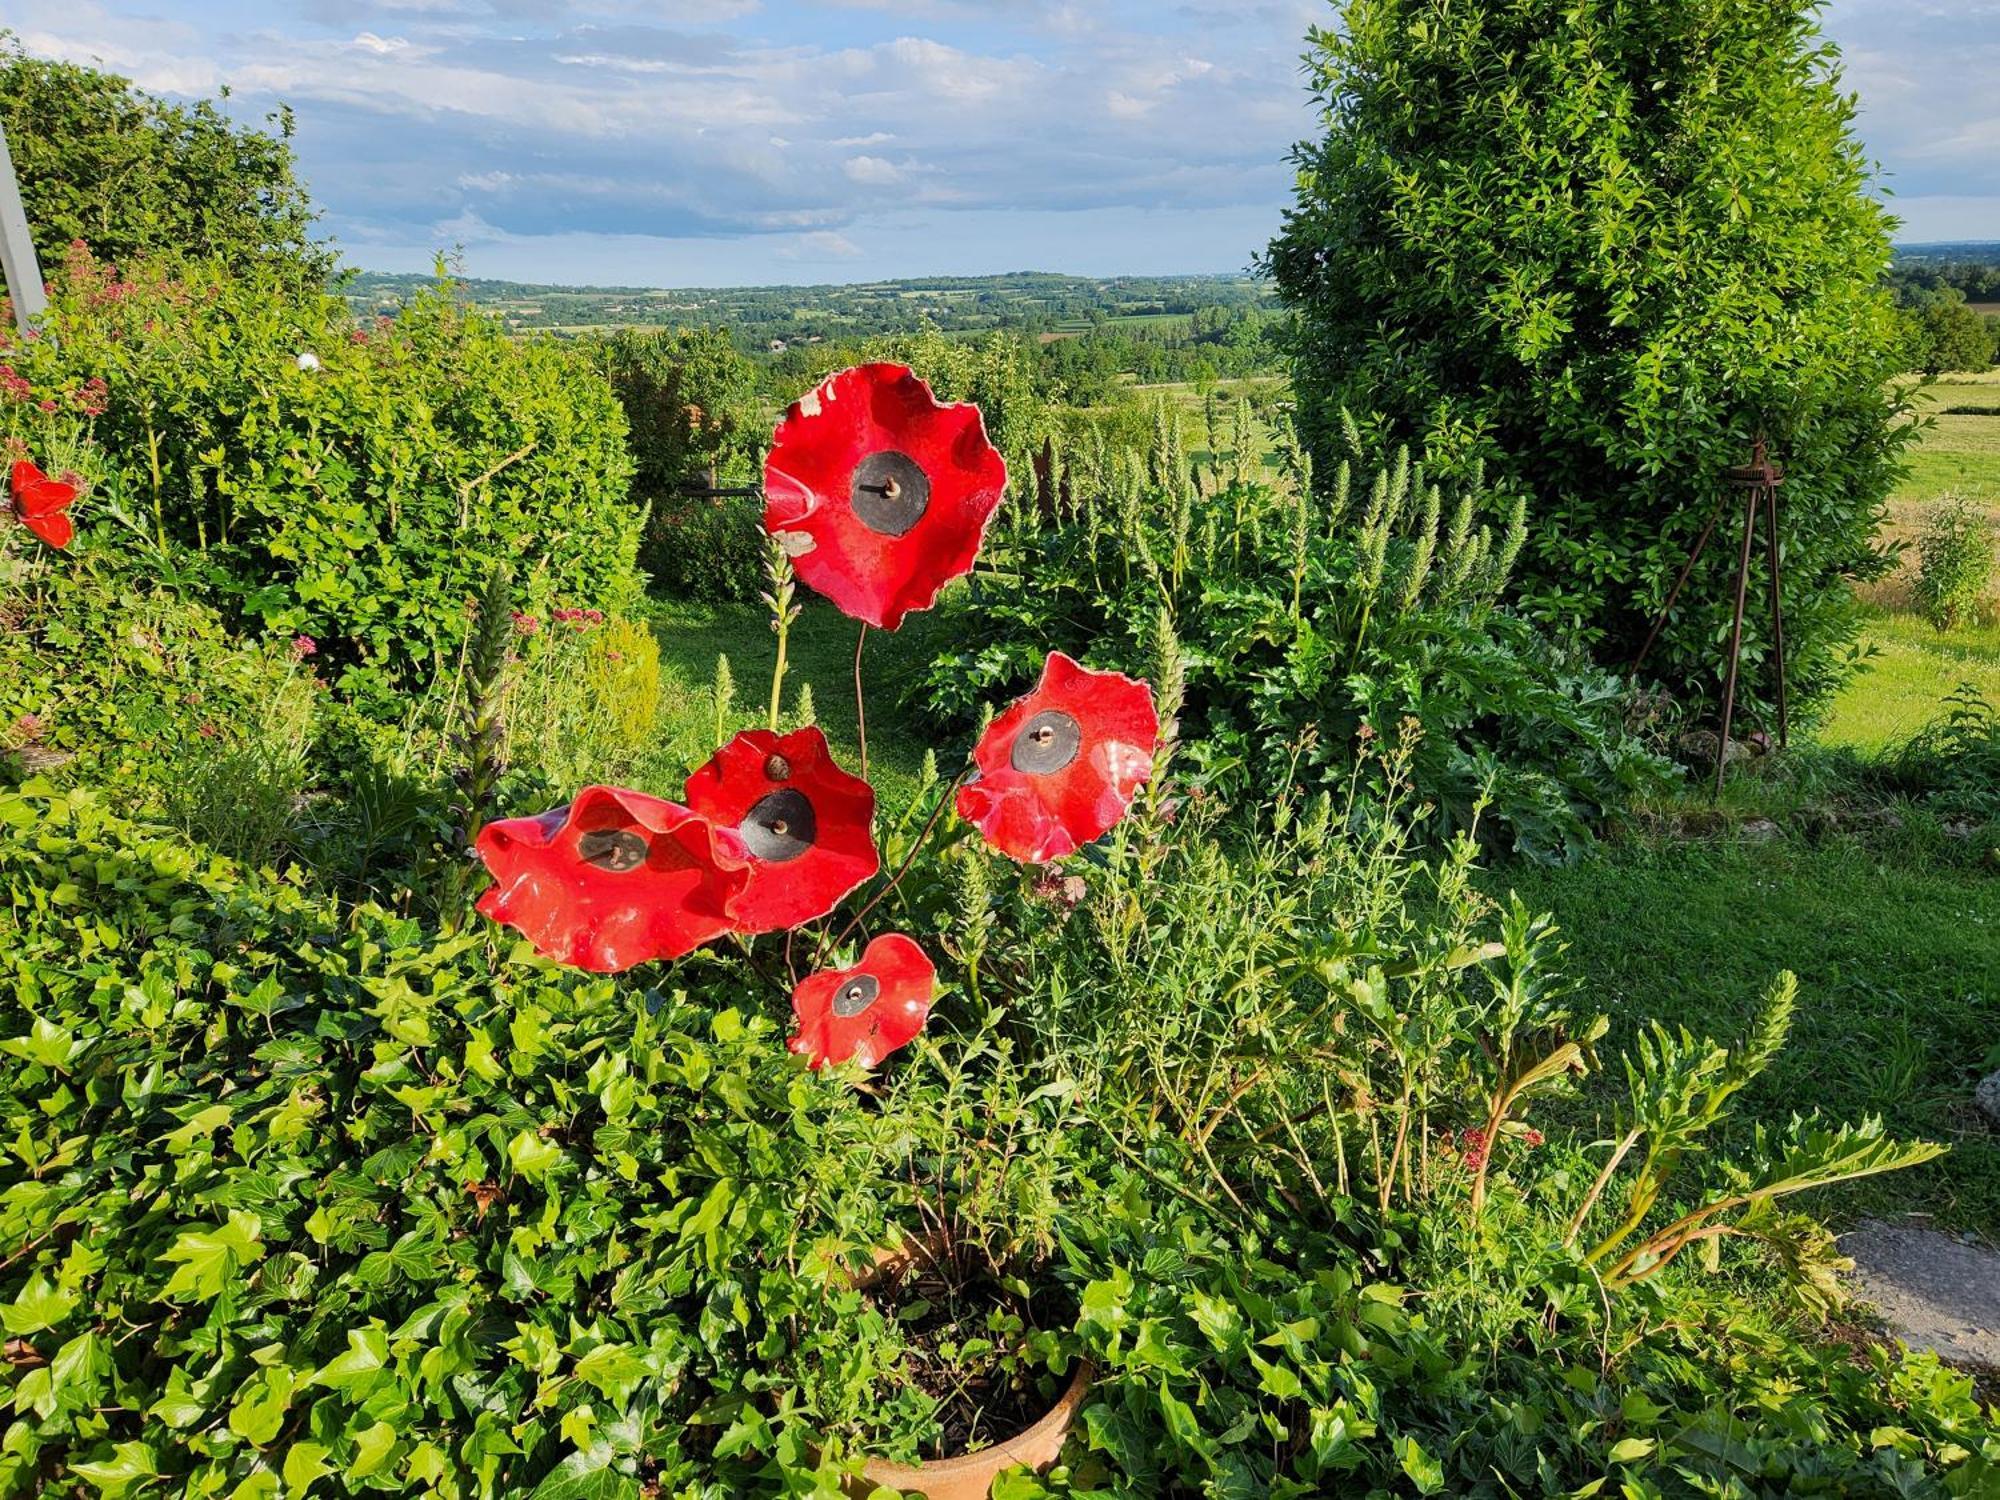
718 142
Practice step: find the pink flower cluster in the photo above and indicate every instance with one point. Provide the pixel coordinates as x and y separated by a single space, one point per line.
91 397
14 385
304 646
525 624
581 619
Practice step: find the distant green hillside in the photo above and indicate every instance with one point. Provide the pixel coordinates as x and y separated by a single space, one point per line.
1027 302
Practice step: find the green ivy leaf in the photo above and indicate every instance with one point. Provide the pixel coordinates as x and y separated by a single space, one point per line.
40 1306
208 1259
131 1463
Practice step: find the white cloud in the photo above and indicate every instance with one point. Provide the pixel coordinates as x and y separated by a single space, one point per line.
872 171
823 244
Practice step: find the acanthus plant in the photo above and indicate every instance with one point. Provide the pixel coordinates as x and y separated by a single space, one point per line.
877 496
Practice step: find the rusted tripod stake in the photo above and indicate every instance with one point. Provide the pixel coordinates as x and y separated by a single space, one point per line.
1757 482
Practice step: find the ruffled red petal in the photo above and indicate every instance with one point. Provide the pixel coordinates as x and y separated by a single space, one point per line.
868 1011
842 483
808 826
41 503
615 879
1037 799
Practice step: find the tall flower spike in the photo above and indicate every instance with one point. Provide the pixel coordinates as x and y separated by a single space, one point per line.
615 879
1060 768
866 1012
807 825
42 504
880 493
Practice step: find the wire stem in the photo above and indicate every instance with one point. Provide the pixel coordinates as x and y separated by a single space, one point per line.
860 702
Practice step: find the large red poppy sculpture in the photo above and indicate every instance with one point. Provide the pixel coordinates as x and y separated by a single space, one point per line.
880 493
808 826
42 504
615 879
1060 768
866 1012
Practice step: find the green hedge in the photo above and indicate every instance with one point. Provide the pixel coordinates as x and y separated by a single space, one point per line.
361 500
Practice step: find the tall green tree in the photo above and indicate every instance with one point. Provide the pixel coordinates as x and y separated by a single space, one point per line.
102 161
1946 335
1601 243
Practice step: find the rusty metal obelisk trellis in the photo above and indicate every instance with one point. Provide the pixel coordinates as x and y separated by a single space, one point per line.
1757 482
17 250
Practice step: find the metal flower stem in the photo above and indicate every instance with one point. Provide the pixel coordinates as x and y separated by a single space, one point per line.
861 701
923 837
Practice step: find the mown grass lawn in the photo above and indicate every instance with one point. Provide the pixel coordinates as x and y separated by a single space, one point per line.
1898 957
1912 672
821 652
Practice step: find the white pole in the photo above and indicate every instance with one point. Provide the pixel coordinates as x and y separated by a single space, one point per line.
17 250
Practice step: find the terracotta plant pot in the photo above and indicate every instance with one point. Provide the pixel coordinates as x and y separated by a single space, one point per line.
969 1476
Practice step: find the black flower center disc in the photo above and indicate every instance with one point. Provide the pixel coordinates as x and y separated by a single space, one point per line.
890 493
1047 743
615 849
780 827
856 995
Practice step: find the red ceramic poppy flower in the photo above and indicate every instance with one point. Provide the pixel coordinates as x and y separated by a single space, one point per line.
42 504
881 494
612 880
1060 767
868 1011
809 827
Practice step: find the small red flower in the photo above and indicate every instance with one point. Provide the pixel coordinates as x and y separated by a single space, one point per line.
304 646
525 624
1060 768
615 879
42 504
868 1011
808 825
880 493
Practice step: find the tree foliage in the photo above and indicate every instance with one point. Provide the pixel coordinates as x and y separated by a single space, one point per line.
1602 243
102 161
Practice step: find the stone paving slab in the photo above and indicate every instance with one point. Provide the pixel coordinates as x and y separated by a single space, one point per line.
1934 1290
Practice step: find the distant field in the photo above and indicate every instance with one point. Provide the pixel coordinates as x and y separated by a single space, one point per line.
1959 455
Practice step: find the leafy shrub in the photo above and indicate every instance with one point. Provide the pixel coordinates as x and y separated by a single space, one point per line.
1957 555
1601 246
409 1214
1309 624
581 705
1953 764
691 406
187 178
125 685
361 500
704 549
398 1212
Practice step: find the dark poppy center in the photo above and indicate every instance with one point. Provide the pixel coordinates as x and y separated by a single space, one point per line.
1047 742
890 493
780 827
856 995
618 850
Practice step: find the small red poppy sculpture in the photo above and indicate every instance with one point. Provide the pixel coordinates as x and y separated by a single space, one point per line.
615 879
880 493
866 1012
42 504
808 826
1060 768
